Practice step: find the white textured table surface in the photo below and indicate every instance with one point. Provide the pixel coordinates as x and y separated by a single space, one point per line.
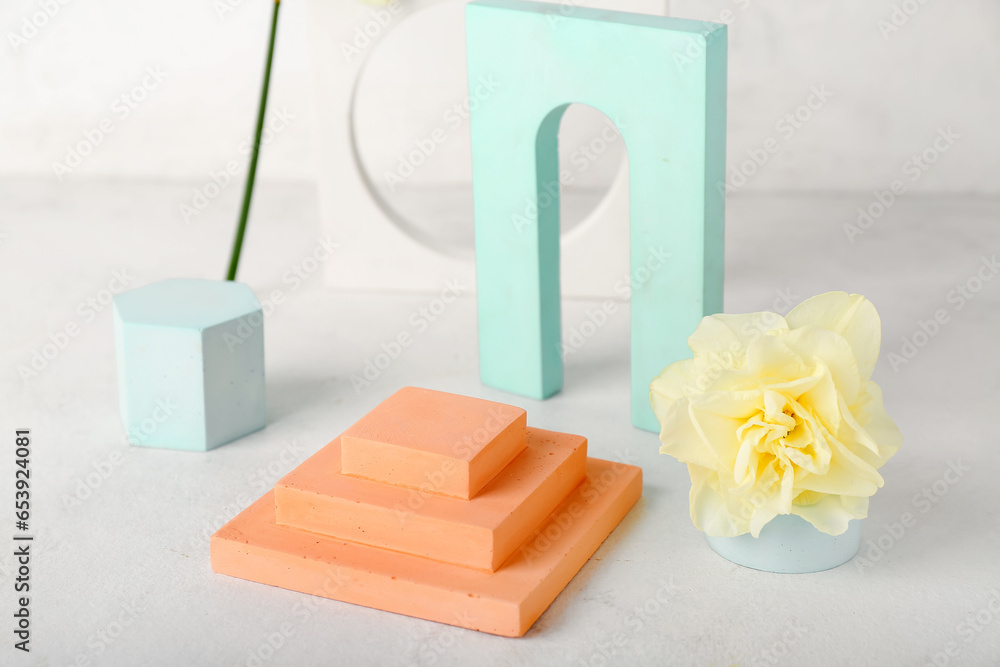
121 576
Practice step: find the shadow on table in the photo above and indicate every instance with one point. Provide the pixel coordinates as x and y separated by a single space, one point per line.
287 395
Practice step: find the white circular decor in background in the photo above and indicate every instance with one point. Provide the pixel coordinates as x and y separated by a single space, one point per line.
395 175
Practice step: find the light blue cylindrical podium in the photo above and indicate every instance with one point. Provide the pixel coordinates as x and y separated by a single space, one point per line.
791 545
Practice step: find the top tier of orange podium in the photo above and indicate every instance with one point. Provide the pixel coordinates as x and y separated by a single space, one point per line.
425 439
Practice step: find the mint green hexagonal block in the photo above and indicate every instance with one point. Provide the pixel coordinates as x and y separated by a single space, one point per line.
190 363
662 81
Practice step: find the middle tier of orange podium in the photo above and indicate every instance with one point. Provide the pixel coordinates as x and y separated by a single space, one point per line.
480 533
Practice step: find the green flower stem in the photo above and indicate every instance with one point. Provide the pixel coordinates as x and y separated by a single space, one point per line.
234 260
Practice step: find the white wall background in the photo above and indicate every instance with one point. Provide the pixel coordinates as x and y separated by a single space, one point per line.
61 75
66 78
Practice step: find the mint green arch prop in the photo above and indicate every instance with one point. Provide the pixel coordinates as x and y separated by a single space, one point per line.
663 82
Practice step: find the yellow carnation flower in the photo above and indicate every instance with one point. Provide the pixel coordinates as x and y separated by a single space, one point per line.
779 415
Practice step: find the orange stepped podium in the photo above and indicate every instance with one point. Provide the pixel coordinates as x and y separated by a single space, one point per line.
438 506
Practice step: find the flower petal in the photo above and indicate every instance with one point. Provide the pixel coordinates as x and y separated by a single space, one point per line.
718 435
861 436
870 413
847 474
723 338
823 401
852 316
681 439
675 381
735 404
829 349
770 508
769 358
708 510
832 514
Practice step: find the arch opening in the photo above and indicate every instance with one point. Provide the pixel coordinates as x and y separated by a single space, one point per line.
583 180
413 152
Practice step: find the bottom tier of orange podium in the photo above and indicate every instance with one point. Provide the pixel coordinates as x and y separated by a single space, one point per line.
505 602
